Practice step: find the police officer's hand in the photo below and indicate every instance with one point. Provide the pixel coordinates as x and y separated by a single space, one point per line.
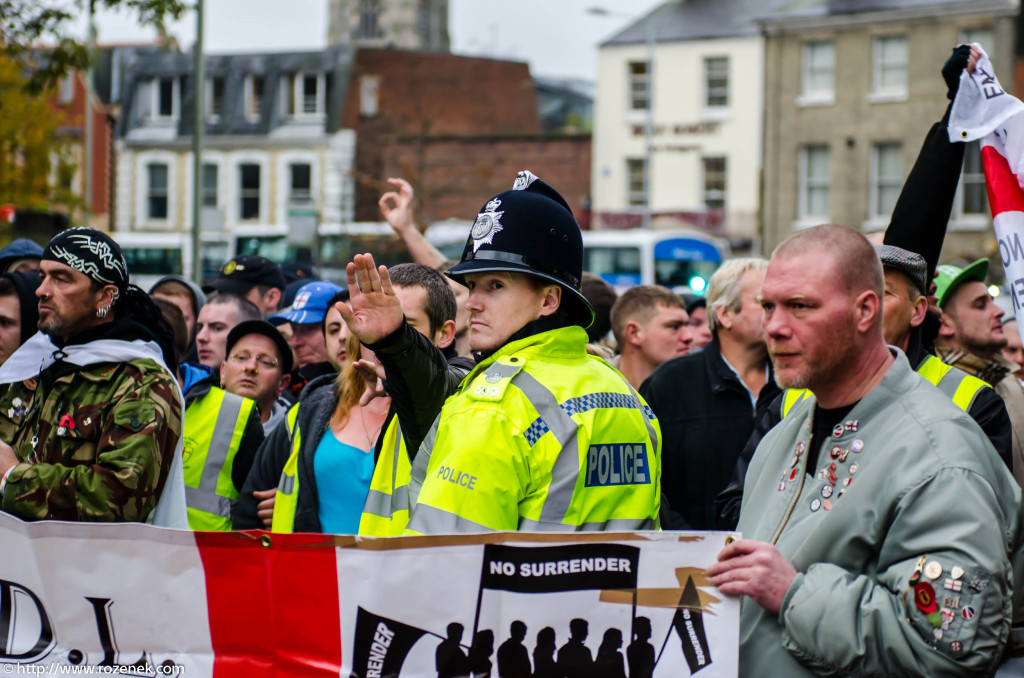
755 569
373 310
265 507
396 206
372 373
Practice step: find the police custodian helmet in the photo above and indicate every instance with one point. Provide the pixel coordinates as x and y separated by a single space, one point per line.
531 230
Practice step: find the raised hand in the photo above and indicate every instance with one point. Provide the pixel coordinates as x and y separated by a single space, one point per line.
396 206
373 310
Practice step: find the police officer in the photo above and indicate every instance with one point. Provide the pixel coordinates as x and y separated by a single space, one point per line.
539 436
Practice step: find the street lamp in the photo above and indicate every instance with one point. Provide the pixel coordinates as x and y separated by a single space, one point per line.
650 28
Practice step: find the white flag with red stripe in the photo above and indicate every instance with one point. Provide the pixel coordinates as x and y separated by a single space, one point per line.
984 111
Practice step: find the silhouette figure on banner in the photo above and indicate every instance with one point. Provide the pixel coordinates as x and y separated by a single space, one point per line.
449 659
610 663
574 658
544 665
640 653
513 657
480 654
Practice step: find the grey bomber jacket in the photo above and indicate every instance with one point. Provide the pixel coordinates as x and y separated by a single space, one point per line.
906 538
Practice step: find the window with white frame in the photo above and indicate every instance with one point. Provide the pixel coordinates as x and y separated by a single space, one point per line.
889 70
304 95
982 35
157 99
971 203
369 95
638 83
253 97
714 183
249 191
215 97
157 178
67 88
886 178
165 104
369 19
636 187
818 71
815 183
209 187
301 183
716 82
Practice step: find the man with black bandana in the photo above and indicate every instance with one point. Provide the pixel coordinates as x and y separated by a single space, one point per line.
539 436
90 414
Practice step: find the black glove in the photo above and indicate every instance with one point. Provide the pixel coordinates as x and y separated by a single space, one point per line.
953 67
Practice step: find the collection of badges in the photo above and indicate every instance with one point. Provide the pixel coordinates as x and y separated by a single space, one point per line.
926 600
833 489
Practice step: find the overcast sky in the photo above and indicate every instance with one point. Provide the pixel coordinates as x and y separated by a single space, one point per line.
556 37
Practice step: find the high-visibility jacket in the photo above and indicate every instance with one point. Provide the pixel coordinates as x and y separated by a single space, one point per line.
386 512
286 500
213 430
541 437
959 386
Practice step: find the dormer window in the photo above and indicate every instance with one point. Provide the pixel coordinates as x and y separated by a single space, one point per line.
214 97
253 97
304 95
158 99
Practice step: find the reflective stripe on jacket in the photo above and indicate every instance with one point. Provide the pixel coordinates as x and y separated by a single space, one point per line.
386 512
958 386
541 437
286 500
214 427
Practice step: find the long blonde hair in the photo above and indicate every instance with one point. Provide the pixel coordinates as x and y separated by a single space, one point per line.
349 385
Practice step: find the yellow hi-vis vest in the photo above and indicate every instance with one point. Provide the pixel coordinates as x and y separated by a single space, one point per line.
386 512
540 437
213 429
287 498
960 387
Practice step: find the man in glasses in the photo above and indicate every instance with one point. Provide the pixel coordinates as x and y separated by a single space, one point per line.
224 425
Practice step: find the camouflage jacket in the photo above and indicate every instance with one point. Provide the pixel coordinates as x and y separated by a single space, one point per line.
96 442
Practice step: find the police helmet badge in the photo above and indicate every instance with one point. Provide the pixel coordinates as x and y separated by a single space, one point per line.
523 180
487 225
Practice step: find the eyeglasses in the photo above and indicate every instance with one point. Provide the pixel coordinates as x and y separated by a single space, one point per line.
262 360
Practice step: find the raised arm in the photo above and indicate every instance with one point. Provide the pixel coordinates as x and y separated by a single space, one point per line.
396 207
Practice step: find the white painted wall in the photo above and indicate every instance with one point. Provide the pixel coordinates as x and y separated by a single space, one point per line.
677 179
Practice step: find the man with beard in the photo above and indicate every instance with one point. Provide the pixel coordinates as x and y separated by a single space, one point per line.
971 339
90 413
875 498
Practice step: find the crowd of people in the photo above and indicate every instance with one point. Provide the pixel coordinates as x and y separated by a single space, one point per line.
846 406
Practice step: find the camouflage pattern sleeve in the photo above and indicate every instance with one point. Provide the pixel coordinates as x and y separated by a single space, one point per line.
116 469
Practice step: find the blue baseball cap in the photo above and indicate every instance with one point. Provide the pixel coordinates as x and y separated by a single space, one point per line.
310 304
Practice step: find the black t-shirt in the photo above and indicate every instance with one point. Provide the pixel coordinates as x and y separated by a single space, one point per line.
824 422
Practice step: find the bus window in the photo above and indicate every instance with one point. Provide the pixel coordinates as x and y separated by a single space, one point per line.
337 250
153 260
618 266
691 274
273 247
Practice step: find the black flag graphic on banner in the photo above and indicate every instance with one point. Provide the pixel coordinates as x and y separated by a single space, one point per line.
689 624
381 645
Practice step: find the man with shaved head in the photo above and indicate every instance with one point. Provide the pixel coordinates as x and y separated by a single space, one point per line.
882 533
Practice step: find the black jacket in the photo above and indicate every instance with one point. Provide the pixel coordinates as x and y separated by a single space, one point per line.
318 401
419 378
987 410
706 418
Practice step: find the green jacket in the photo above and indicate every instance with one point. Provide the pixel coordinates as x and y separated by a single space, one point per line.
917 488
541 437
97 443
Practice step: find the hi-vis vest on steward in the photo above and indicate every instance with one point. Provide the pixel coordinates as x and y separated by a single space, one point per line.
961 388
386 512
286 500
214 426
541 437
